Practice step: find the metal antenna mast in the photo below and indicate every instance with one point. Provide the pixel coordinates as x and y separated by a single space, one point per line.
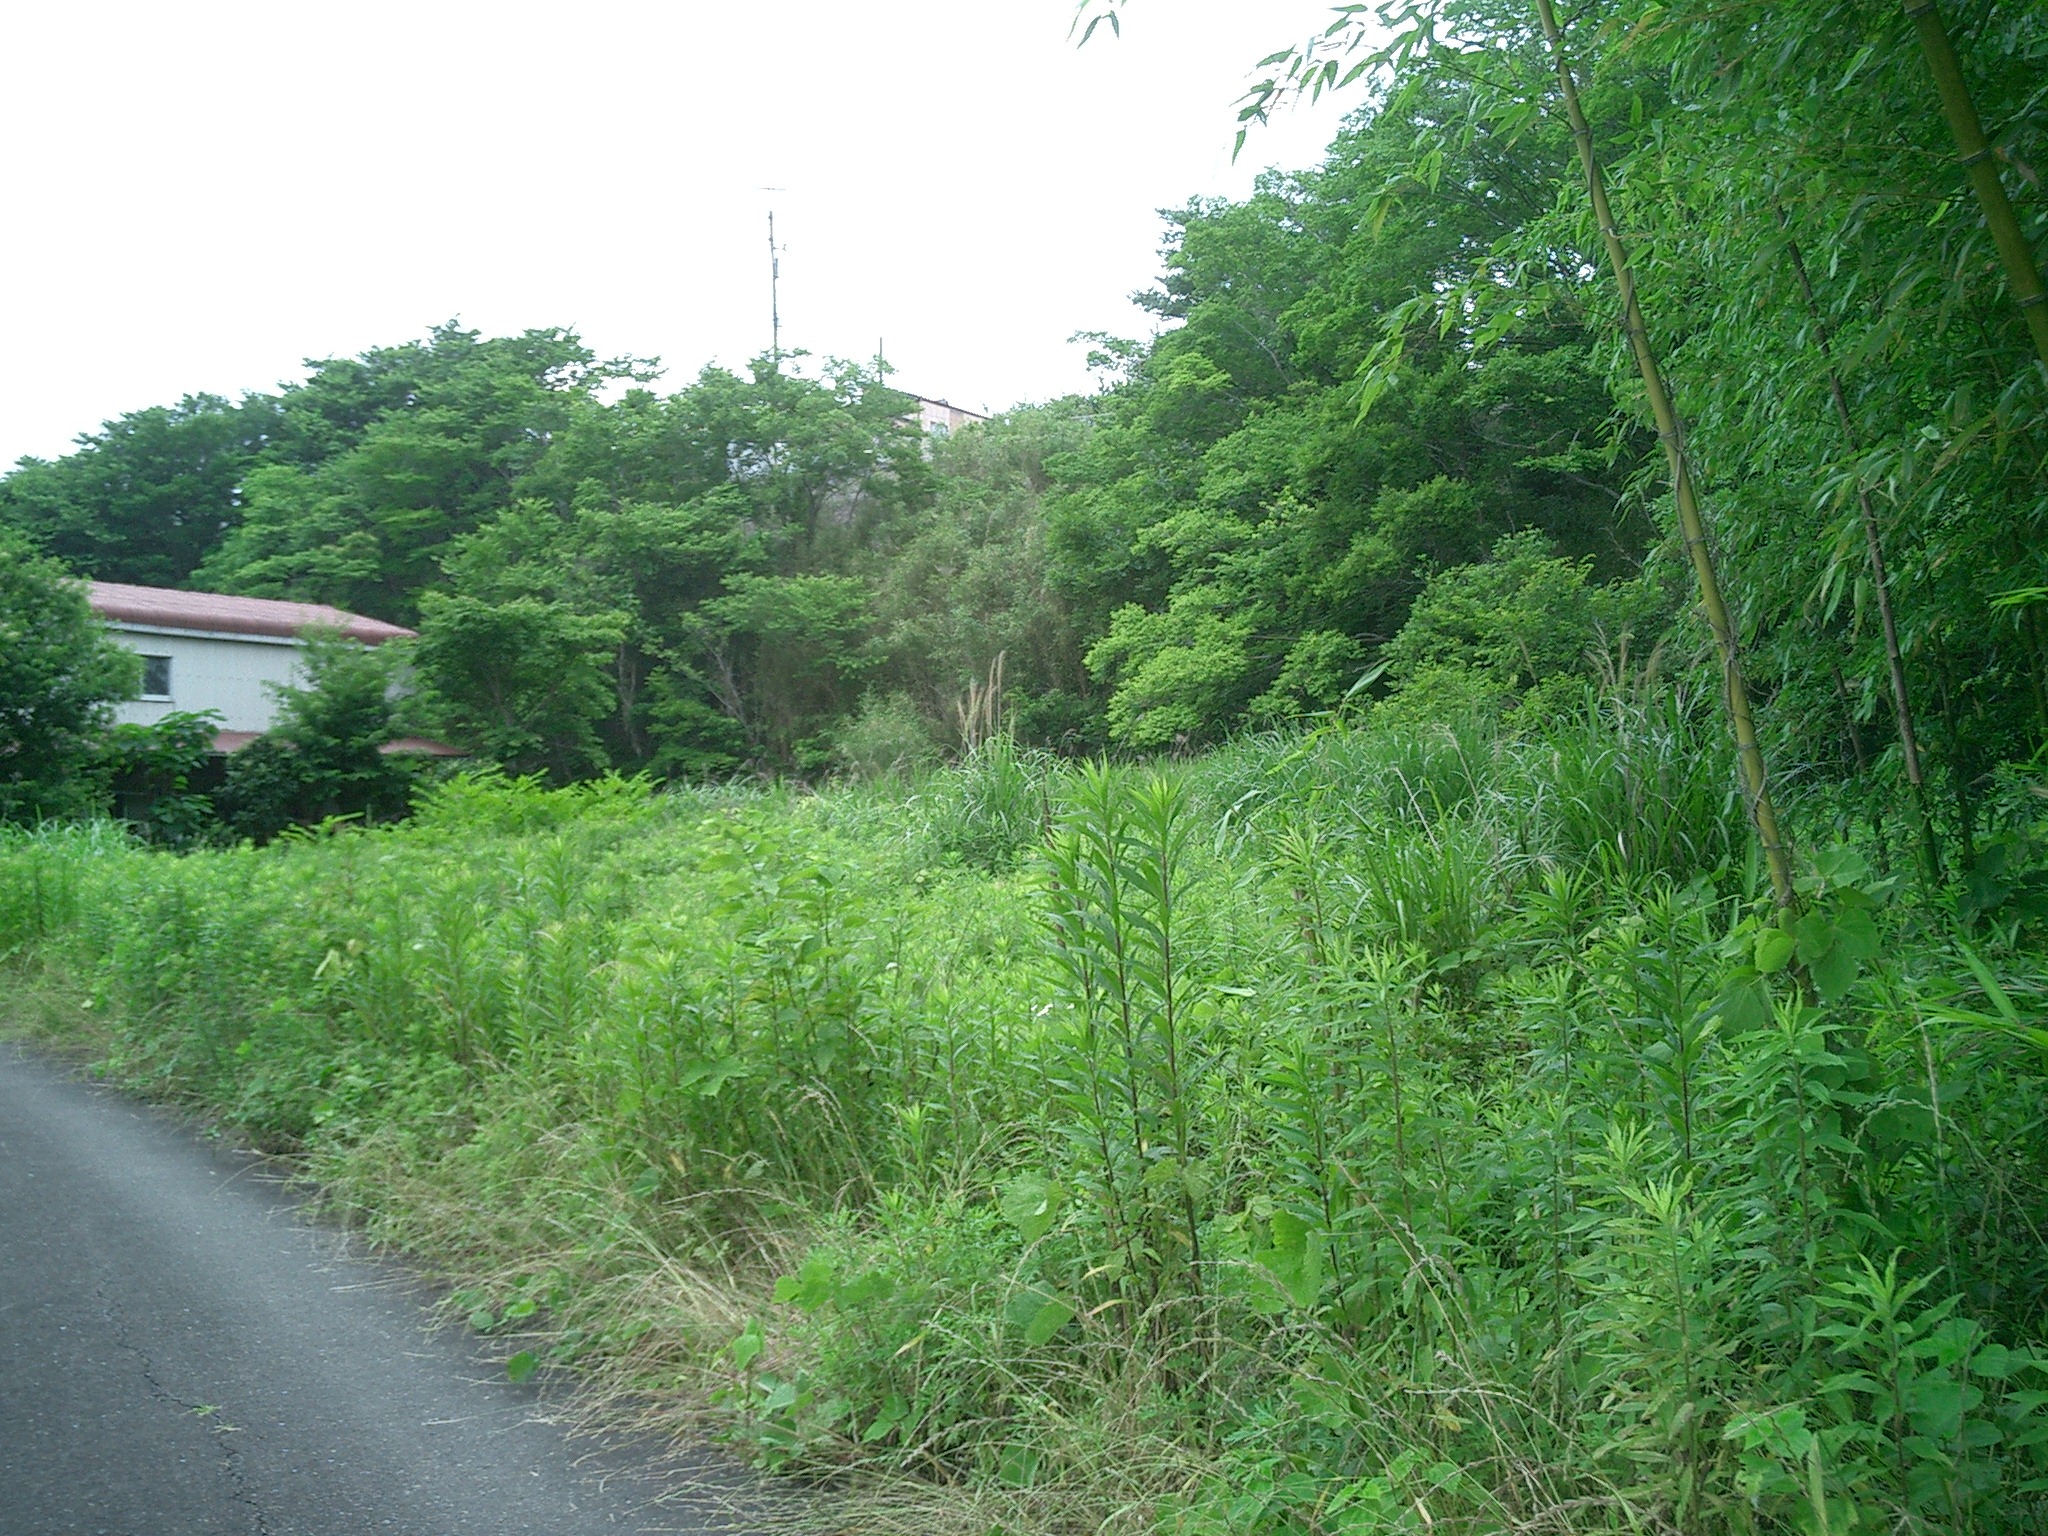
774 296
774 290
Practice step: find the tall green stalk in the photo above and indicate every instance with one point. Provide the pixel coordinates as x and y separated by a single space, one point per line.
1692 526
1973 150
1873 544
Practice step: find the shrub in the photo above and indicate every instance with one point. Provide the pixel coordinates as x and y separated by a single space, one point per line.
60 674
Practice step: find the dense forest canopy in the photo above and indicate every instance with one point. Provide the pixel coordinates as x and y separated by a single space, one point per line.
761 571
1401 377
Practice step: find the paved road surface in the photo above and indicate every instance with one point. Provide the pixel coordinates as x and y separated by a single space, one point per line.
182 1352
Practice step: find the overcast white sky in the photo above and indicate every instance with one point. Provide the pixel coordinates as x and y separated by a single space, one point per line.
203 194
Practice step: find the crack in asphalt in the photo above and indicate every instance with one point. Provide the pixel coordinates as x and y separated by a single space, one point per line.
230 1459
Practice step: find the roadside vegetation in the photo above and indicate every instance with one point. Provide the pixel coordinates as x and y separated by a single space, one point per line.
1387 1128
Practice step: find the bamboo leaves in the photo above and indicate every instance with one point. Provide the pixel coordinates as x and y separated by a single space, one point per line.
1692 526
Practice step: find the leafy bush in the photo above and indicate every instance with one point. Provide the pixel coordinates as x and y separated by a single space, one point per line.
60 674
889 737
324 757
157 771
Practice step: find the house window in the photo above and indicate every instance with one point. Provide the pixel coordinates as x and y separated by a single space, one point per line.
156 677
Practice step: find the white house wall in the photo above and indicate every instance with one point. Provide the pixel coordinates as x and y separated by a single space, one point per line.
228 674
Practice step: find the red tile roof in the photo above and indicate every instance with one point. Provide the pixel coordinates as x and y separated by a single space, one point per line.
223 614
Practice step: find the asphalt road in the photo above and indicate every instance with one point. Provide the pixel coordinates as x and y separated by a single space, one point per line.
182 1351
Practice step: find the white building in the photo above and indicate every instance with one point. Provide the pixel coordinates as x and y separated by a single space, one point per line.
937 418
208 650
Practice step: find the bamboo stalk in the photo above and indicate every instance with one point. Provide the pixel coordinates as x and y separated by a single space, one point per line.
1849 719
2035 651
1973 150
1884 857
1873 543
1755 780
1959 757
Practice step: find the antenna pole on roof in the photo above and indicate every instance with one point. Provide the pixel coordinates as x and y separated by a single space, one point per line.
774 288
774 297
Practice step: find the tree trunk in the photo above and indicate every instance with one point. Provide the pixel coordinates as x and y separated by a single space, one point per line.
1974 151
1755 781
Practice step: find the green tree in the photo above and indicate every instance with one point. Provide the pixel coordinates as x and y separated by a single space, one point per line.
694 572
1236 539
380 467
60 676
1818 312
522 680
972 585
147 497
1524 617
784 660
324 756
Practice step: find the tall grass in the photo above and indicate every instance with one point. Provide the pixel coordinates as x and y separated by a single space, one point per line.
1357 1132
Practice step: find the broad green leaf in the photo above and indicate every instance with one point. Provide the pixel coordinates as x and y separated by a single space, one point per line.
1901 1125
1774 949
1053 1314
810 1287
1295 1259
1031 1203
1856 934
869 1285
1018 1466
1935 1403
1833 973
1815 935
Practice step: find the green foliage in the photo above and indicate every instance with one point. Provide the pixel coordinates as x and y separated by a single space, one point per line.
1518 619
888 737
1426 1121
970 588
156 771
1410 1112
147 497
1392 377
784 656
1239 540
1640 787
709 581
1126 1057
324 757
400 452
992 807
60 674
524 679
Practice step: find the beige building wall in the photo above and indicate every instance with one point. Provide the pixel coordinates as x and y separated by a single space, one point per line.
227 673
936 418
